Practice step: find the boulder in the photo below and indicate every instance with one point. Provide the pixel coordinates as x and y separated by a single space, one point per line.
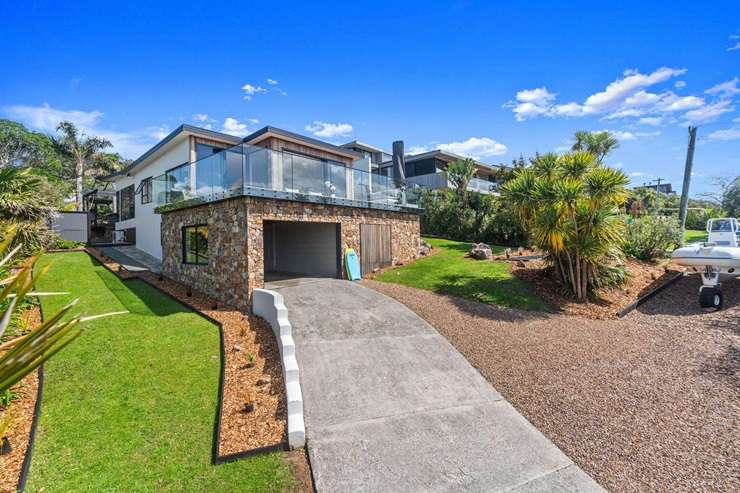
481 251
425 248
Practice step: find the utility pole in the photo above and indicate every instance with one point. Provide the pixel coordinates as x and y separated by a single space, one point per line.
657 196
687 181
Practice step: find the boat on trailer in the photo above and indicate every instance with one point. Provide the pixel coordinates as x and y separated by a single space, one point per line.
718 257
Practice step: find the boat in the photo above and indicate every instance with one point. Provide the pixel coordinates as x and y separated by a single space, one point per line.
718 258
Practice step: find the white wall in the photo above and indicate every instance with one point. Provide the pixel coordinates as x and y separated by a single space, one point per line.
146 221
70 225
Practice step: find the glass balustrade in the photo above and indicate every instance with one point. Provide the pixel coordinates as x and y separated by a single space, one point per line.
257 171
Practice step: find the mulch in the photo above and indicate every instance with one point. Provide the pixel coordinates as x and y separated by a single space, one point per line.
650 402
20 426
642 278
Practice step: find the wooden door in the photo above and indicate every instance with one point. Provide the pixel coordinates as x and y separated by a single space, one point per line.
375 247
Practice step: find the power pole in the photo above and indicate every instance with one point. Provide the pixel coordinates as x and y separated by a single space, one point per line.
657 196
687 181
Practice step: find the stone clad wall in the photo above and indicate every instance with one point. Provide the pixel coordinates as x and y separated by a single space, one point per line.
235 240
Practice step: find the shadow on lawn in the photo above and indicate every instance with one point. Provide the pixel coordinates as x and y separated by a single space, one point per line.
138 297
480 297
682 298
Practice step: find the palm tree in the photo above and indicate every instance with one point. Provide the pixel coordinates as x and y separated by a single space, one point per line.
600 144
460 173
22 204
81 150
571 205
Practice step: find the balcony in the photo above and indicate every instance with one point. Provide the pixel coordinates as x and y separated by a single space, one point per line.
247 170
440 181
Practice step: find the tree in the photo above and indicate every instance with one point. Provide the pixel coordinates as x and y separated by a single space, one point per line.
571 205
460 173
24 206
81 151
731 198
600 144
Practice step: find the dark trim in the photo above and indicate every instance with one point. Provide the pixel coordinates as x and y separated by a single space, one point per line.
186 163
142 185
340 260
203 132
182 238
639 301
309 140
73 212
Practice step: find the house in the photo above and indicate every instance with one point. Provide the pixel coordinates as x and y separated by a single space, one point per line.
665 188
224 214
428 170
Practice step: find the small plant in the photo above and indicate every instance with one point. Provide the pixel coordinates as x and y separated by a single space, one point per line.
5 447
7 397
250 360
249 401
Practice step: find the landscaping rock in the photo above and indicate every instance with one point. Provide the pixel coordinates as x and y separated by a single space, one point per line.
425 248
481 251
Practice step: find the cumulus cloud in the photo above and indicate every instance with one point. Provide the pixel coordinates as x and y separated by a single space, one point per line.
251 90
329 130
654 121
637 174
627 135
46 118
732 133
474 147
232 126
709 112
725 89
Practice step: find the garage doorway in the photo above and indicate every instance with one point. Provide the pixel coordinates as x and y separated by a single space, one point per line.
375 247
294 249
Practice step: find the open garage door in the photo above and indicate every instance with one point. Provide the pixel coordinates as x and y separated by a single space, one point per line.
301 249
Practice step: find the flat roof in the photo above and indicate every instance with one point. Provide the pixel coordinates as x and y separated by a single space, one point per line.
269 131
447 156
362 145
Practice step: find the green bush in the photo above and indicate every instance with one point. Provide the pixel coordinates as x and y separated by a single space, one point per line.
649 237
59 243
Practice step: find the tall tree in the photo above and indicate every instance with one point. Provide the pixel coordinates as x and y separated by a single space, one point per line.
600 144
460 173
81 150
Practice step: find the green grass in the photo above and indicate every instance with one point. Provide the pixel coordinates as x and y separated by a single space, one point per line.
694 235
130 405
448 271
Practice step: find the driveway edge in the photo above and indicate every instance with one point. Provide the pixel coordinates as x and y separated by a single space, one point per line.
270 306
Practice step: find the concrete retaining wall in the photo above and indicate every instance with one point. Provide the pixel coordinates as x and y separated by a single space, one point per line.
269 305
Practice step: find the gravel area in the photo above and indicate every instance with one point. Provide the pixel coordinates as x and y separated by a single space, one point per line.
650 402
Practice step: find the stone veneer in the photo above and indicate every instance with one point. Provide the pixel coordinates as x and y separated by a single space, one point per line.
235 248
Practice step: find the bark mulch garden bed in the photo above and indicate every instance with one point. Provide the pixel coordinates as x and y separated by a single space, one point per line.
251 367
642 278
21 408
650 402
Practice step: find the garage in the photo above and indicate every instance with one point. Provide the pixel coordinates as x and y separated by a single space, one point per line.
301 249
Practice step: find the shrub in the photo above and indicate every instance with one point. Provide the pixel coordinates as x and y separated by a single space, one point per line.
649 237
59 243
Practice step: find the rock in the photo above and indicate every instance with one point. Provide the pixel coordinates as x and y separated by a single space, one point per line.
377 269
238 348
481 251
425 248
264 380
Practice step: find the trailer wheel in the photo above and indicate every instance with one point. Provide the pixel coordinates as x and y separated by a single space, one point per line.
710 297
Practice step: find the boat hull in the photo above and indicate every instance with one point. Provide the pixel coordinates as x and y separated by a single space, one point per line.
699 255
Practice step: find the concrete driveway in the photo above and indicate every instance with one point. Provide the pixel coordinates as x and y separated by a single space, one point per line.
390 405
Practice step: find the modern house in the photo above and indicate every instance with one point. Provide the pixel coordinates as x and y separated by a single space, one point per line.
428 170
223 214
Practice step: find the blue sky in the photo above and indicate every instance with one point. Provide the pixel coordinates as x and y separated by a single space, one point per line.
479 78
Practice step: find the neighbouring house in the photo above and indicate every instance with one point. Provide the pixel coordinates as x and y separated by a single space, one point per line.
664 188
428 170
225 214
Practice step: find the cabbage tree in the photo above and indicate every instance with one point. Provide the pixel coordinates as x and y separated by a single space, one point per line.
571 206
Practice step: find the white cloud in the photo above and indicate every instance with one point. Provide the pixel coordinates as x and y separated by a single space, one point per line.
272 82
709 112
734 47
624 97
201 117
637 174
281 92
679 84
46 118
160 133
651 120
732 133
626 135
204 121
250 91
475 147
725 89
329 130
254 121
232 126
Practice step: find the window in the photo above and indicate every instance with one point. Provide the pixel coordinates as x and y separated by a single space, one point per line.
126 204
146 190
205 150
195 244
177 181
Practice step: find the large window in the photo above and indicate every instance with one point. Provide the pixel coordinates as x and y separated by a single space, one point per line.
126 203
146 190
195 244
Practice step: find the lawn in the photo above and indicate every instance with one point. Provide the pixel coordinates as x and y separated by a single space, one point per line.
131 404
694 235
448 271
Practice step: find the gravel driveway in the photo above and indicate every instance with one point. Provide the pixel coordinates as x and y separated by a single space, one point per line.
649 402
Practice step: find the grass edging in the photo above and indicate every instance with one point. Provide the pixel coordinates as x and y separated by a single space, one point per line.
642 299
26 466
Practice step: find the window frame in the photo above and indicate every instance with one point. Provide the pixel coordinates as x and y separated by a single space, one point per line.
131 205
146 190
204 259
